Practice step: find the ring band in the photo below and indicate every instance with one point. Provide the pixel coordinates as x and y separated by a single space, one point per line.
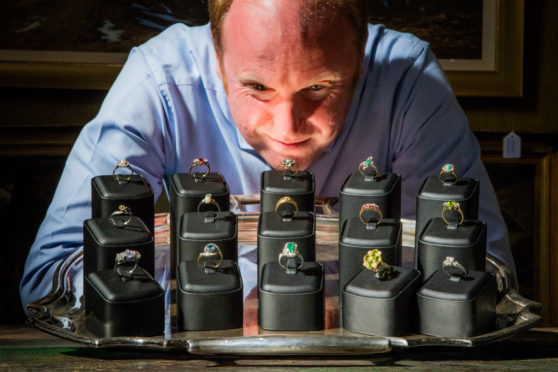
124 259
447 174
210 250
452 206
370 207
373 261
290 250
119 177
368 163
200 162
453 268
207 200
121 211
285 200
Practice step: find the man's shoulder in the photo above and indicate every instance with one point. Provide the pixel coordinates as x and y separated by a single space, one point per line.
387 45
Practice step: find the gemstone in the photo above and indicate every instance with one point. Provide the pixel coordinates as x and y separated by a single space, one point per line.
211 248
448 167
368 161
291 246
452 204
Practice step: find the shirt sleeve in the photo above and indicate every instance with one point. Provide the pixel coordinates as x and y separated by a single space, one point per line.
129 126
430 130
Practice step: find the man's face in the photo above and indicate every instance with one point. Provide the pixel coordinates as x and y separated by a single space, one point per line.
288 89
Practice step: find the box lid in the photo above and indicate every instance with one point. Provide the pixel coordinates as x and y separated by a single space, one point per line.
439 286
365 284
193 226
307 279
194 279
356 184
108 188
113 288
463 189
108 235
186 185
300 183
386 234
437 232
272 226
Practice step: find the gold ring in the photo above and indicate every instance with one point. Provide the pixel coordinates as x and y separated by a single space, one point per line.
373 261
121 211
447 174
368 163
452 206
124 259
118 176
286 200
453 268
290 250
207 200
370 207
210 250
200 162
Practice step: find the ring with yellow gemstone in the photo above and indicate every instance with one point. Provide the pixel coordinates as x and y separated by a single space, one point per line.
452 206
373 261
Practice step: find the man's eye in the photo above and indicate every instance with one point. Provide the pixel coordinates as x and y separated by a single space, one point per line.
316 87
259 87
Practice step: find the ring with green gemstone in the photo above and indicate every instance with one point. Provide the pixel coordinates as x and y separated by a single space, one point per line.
447 174
368 168
373 261
211 253
452 206
290 250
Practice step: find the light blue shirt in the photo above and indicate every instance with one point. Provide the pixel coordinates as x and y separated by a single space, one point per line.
168 107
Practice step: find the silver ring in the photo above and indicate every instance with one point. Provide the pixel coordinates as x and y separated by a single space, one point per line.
210 250
121 211
208 200
453 268
124 260
119 177
200 162
290 250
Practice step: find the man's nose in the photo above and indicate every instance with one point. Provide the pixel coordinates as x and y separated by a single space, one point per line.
288 114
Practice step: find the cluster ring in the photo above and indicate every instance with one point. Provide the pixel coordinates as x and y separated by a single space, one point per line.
124 259
290 250
373 261
368 163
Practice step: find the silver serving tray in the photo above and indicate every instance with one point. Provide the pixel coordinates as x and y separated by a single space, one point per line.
61 313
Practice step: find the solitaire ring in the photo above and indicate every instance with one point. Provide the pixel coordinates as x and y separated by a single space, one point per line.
447 174
208 200
286 200
452 206
119 176
453 268
116 216
125 262
368 164
210 250
370 207
373 261
200 162
290 250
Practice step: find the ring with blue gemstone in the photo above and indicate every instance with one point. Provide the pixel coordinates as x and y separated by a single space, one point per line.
211 254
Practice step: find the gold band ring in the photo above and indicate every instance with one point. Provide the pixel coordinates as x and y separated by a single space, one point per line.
286 200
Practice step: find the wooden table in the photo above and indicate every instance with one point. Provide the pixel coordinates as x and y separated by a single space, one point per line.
25 348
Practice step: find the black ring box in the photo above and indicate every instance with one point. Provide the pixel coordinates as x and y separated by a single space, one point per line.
274 232
384 191
196 231
433 193
209 300
356 240
102 241
292 302
465 242
107 195
382 307
124 307
464 308
277 184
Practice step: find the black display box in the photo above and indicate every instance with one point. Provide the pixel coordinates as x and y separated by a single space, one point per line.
277 184
107 194
357 239
209 300
102 241
274 232
382 307
384 191
466 243
292 302
433 193
197 230
464 308
116 307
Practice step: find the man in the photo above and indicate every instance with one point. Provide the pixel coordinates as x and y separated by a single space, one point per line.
304 79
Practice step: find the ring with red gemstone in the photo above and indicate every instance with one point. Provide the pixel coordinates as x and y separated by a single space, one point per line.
290 250
447 174
367 165
199 162
370 207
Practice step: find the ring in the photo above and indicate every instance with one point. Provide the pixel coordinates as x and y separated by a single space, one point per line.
453 268
122 211
210 250
126 258
447 174
285 200
290 250
208 199
122 164
287 164
373 261
200 162
368 163
370 207
452 206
